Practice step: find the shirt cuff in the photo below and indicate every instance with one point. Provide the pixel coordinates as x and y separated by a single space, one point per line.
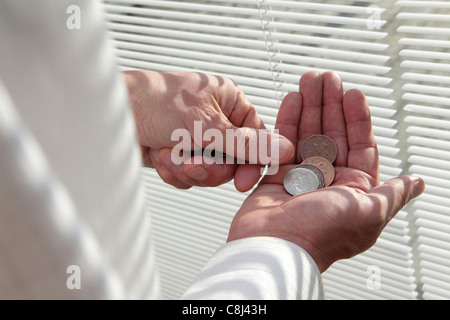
259 268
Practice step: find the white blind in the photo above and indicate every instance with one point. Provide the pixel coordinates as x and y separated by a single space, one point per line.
396 53
424 35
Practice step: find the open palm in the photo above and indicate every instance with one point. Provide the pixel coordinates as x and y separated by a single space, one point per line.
346 218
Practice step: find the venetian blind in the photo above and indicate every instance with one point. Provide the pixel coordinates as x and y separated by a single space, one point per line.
394 52
424 39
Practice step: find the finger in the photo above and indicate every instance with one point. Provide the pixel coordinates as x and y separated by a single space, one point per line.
333 122
165 173
248 174
245 138
246 177
146 159
289 117
279 177
165 160
310 122
392 196
362 147
197 170
264 149
208 174
258 147
245 115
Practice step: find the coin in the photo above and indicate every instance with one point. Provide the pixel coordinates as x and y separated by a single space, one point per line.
319 145
325 166
316 171
303 178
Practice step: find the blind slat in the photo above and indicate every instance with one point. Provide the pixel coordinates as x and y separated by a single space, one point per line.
402 65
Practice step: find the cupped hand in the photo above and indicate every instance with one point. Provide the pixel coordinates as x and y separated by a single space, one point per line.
346 218
165 102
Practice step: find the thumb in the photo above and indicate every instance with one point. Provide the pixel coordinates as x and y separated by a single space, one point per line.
397 192
255 146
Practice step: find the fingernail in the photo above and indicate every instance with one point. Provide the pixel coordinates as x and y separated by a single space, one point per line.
415 179
418 186
197 173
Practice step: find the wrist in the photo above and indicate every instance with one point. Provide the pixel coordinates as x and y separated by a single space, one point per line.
141 85
143 94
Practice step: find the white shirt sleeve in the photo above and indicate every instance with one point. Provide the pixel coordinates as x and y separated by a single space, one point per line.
71 191
260 268
70 186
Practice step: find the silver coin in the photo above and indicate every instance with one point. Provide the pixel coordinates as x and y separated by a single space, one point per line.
316 171
303 179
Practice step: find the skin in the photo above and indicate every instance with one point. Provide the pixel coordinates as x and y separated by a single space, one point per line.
334 223
164 102
346 218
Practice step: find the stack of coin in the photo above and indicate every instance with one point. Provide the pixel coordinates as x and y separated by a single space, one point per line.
316 171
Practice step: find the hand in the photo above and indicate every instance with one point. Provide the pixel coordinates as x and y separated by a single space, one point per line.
346 218
165 102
